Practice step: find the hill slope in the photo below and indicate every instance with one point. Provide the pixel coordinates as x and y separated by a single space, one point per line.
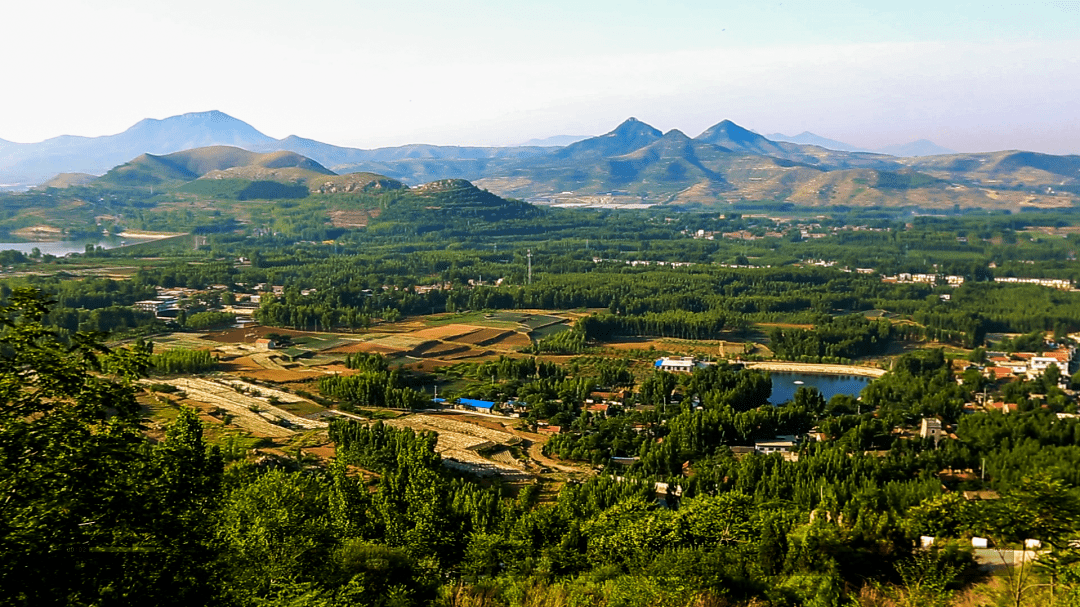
215 162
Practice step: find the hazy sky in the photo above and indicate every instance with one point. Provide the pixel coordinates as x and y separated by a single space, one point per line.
967 75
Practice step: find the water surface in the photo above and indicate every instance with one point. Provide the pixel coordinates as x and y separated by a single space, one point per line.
784 386
61 248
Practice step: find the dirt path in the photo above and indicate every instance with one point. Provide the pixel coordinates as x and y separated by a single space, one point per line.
817 368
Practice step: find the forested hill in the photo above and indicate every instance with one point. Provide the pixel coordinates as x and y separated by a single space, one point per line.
451 206
457 197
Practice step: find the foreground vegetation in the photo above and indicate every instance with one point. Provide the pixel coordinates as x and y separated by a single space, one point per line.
96 514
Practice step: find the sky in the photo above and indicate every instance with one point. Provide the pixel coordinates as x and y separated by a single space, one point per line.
971 76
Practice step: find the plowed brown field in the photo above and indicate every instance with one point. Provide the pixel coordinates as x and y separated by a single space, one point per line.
512 340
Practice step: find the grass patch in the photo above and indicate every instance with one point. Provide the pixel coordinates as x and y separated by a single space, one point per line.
535 322
547 331
301 408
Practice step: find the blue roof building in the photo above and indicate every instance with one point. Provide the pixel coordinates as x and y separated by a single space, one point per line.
476 404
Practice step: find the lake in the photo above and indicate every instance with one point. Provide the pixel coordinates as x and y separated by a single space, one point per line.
62 248
784 386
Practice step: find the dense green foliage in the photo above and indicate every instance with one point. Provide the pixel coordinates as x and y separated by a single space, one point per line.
208 319
370 388
835 340
179 360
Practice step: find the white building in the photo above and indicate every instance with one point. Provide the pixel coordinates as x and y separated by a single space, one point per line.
774 446
683 364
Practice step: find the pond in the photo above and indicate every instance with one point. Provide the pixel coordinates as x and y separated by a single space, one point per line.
784 384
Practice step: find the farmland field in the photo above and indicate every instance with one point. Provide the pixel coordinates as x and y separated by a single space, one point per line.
482 337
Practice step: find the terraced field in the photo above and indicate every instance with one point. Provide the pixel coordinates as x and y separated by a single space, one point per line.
459 442
252 413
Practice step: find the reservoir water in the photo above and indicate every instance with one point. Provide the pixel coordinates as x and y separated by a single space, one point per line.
784 385
61 248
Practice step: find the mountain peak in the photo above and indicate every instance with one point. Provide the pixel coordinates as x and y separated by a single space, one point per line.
676 135
922 147
632 127
631 135
211 114
193 130
727 130
808 138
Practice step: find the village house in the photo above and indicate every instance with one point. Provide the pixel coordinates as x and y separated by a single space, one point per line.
930 427
158 305
597 408
484 406
780 444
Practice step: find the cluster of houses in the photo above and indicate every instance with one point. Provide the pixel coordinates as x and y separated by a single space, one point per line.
163 306
1053 283
955 281
1029 365
930 279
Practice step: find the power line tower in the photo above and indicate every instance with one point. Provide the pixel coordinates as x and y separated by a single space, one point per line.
528 254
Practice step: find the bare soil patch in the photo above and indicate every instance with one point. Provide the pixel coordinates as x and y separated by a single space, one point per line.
277 376
338 369
366 347
323 452
471 354
245 366
783 325
447 332
248 334
350 219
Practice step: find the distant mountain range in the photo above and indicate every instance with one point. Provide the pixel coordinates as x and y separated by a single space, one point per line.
634 164
27 164
922 147
555 141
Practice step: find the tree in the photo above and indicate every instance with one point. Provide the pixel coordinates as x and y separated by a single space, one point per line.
926 577
72 505
1051 376
90 513
1039 508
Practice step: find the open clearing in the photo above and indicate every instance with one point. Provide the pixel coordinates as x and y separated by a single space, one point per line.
251 411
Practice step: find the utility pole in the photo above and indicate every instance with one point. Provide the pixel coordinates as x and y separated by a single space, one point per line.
528 254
